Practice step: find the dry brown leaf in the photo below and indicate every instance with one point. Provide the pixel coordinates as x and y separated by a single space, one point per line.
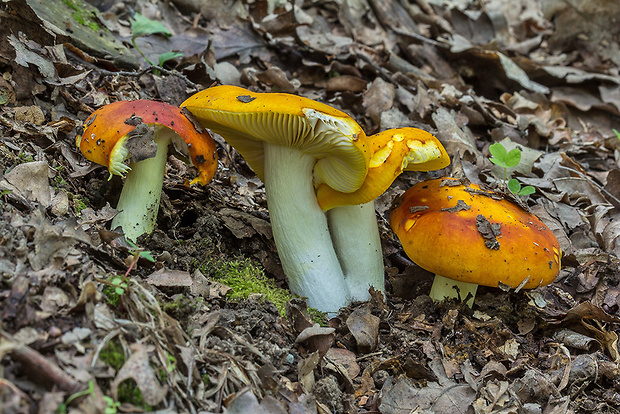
346 359
170 278
316 338
138 368
364 327
305 371
404 397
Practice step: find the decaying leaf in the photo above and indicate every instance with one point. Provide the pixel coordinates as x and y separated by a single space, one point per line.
365 328
137 368
404 397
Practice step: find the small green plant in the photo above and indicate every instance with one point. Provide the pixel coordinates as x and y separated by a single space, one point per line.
4 193
111 405
58 179
509 159
119 284
23 157
164 57
617 133
78 204
143 26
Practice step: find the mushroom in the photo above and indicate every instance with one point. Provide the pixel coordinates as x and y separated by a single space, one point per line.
470 237
351 216
142 130
293 144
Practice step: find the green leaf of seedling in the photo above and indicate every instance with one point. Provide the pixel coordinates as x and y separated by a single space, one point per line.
527 190
498 162
514 185
513 158
498 151
120 286
147 255
141 26
164 57
132 245
111 405
617 133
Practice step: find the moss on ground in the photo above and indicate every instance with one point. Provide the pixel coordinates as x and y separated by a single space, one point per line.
246 278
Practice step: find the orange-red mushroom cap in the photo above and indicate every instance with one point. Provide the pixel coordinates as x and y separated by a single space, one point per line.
466 234
108 128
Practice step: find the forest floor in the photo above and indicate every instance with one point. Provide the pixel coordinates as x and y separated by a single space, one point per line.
182 334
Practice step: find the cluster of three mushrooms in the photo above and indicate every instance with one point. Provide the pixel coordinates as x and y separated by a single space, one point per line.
321 175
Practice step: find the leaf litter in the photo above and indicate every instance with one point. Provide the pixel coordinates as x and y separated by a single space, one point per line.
471 73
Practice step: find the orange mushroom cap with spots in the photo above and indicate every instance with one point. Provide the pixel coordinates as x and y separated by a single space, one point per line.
470 235
108 129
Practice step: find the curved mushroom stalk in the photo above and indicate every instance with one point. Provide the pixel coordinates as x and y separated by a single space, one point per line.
300 230
356 239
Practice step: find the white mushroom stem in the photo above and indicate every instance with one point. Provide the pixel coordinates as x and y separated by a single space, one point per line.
139 201
356 239
300 230
444 288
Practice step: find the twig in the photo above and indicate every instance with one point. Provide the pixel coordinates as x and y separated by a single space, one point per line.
36 366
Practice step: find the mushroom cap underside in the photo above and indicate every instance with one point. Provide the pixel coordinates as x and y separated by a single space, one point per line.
392 151
473 236
249 120
110 125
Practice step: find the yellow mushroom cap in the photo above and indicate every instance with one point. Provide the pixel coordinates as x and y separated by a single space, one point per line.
463 233
106 131
392 151
249 120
